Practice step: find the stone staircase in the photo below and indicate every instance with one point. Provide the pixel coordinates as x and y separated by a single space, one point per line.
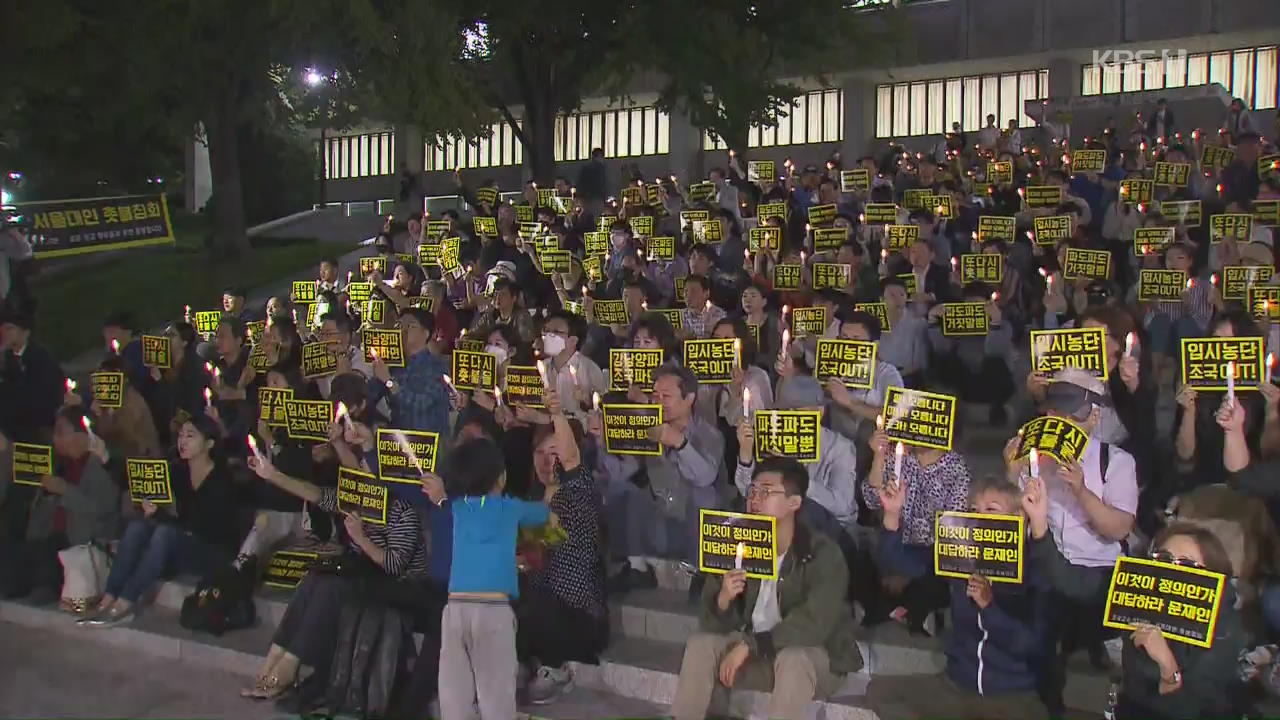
636 676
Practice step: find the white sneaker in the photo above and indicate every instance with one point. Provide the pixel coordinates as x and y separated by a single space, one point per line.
549 684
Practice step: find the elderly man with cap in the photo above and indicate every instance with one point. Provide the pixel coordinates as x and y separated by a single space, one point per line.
1092 506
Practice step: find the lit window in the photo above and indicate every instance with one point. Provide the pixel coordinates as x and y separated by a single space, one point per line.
1247 73
930 107
815 117
364 155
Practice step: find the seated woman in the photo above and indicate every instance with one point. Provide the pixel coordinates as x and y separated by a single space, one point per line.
192 536
1164 680
306 636
79 504
936 480
561 610
1000 631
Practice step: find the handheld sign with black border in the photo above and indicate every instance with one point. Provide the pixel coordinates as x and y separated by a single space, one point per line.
1237 279
595 243
764 211
1264 303
1151 240
157 352
910 282
362 495
795 434
474 370
1082 264
1088 161
898 237
826 239
764 238
941 206
1216 156
1049 229
633 366
318 359
304 291
206 322
642 225
555 261
1040 196
662 247
359 292
1266 212
149 481
675 316
1000 172
822 214
1161 285
611 312
626 428
375 263
880 311
287 568
255 330
482 225
713 361
787 277
836 276
271 405
1205 362
730 541
916 198
522 387
1188 212
808 321
308 419
1171 174
969 543
919 418
435 228
1230 225
108 388
1082 348
996 227
699 191
1181 602
760 171
680 285
604 222
591 268
852 362
258 359
880 213
633 194
1057 437
1268 164
855 180
487 195
31 462
982 267
388 345
965 319
405 455
1136 190
524 213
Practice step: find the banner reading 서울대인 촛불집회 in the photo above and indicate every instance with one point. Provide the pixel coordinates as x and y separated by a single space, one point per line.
84 225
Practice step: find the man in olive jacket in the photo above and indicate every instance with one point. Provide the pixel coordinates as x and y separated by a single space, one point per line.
793 636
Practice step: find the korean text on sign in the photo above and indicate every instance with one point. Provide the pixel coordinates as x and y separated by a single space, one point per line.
982 267
522 386
361 494
729 540
472 370
388 345
996 227
157 352
1181 602
1205 362
852 362
308 419
626 429
287 568
271 405
1237 279
837 276
967 318
404 455
633 366
31 462
714 360
808 321
318 359
967 543
149 480
108 388
1056 437
1084 264
1083 348
919 418
1161 285
788 433
1049 229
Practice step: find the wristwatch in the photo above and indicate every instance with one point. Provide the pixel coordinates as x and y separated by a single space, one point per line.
391 386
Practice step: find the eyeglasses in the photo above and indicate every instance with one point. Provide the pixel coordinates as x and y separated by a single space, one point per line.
756 491
1165 556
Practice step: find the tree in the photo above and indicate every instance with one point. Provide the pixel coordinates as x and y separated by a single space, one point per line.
721 60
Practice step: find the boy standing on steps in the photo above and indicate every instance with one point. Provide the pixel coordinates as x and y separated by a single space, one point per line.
793 636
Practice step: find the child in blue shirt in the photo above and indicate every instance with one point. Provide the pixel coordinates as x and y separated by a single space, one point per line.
478 629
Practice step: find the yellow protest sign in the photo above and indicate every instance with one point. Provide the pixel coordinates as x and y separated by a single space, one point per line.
737 541
899 237
633 366
1223 363
1082 264
795 434
965 318
1088 161
879 310
982 267
1182 602
855 180
318 359
1171 174
1230 225
1040 196
996 227
474 370
287 568
852 362
108 388
149 481
827 239
1147 240
1082 348
610 312
1161 285
1135 190
157 352
919 418
713 361
764 238
1000 172
808 321
820 215
1051 229
31 462
271 405
522 386
836 276
308 419
1057 437
405 455
968 543
1188 212
388 345
880 214
363 495
787 277
626 428
1237 279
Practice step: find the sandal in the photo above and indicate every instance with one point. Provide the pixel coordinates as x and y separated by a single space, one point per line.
273 688
259 686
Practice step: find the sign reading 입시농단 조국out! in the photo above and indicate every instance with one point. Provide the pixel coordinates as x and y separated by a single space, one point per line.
1181 602
1223 363
1161 285
737 541
73 227
919 418
794 434
852 362
1050 229
1237 279
404 455
967 543
362 494
1084 348
308 419
626 428
149 480
712 361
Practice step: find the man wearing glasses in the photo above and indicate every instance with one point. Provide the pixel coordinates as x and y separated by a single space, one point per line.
792 637
417 394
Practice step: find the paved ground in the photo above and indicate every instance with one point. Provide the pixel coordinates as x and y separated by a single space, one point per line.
48 674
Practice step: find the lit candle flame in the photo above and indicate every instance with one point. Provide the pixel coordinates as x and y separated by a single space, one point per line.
746 403
497 395
737 558
115 346
1129 341
595 401
71 385
1034 463
208 397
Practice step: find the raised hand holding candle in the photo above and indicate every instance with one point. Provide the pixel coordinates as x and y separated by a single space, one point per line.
746 403
1129 341
253 447
449 381
1231 382
897 461
497 396
1271 362
1033 462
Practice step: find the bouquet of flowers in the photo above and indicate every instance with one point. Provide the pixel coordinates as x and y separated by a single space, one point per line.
532 545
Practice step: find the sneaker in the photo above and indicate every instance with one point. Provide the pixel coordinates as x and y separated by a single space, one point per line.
628 578
550 683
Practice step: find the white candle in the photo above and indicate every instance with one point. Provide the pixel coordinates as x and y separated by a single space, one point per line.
1231 382
879 422
542 372
343 414
1271 361
1034 463
71 385
115 346
737 558
449 381
746 403
1129 341
497 396
737 351
208 397
253 447
897 462
595 401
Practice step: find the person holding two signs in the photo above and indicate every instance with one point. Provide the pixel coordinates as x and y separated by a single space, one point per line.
794 634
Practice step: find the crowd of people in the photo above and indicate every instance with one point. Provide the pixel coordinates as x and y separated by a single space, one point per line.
505 554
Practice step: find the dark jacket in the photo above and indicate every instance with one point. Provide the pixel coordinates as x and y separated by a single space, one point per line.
591 181
31 389
812 583
208 512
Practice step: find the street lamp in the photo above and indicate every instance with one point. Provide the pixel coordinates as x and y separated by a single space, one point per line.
315 80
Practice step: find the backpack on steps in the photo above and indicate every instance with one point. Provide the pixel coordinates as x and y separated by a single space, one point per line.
222 601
